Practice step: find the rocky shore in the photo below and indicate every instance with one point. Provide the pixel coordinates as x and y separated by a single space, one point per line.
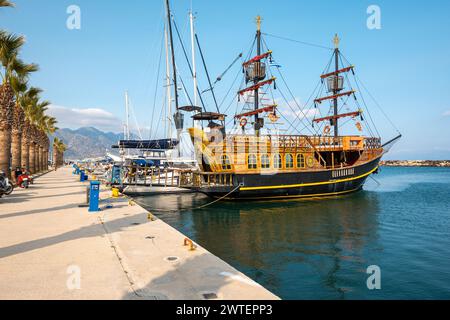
415 163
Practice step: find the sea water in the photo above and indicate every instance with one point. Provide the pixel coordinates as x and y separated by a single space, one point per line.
322 249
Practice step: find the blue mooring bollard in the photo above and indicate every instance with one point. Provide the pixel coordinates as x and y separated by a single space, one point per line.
94 196
82 176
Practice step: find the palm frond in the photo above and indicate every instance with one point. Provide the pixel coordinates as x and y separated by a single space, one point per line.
10 45
6 3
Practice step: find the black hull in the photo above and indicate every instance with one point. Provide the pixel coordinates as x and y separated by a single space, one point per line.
308 184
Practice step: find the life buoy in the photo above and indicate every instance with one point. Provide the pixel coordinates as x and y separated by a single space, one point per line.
243 122
327 129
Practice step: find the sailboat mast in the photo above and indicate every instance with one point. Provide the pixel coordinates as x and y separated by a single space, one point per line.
168 91
174 70
127 116
258 52
336 85
194 69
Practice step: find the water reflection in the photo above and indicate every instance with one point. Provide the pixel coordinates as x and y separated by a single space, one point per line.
292 248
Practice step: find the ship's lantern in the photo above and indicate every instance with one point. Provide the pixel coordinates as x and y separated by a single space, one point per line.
255 71
259 124
335 83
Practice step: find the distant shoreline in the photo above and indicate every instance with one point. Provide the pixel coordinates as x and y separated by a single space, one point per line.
416 163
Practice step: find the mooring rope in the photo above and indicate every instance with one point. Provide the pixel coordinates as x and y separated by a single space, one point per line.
195 208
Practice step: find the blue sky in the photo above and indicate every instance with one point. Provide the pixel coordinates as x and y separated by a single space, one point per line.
85 72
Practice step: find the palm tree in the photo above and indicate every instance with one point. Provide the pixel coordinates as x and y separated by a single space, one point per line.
49 128
40 128
19 86
58 152
9 47
36 117
6 3
23 124
31 99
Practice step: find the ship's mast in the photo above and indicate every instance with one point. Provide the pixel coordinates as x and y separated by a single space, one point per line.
177 116
174 69
127 116
127 119
336 84
194 69
168 91
256 92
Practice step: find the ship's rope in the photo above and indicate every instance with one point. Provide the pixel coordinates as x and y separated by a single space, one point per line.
298 41
199 92
194 208
362 97
374 100
303 119
156 90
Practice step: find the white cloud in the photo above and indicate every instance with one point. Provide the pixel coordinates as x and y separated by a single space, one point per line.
91 117
296 109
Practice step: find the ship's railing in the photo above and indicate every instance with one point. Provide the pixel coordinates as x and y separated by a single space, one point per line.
372 143
136 175
284 142
212 179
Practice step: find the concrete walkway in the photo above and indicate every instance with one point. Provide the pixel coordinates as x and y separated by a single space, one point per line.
50 248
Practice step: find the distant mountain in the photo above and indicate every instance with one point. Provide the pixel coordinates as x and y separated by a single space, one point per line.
87 142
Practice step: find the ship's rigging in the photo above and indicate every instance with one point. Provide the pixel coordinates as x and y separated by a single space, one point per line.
266 100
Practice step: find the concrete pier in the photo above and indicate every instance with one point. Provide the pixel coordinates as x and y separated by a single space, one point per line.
51 248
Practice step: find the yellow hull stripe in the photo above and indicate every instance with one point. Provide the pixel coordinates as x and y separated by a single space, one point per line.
330 194
309 184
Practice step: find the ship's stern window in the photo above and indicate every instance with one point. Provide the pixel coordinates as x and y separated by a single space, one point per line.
300 161
289 161
252 164
277 161
226 164
265 161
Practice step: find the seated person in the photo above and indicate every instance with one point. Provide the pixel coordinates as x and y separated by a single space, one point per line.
18 172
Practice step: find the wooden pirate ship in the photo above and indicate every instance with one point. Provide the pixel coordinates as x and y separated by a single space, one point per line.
257 161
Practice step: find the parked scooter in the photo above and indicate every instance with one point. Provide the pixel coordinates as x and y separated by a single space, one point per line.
22 177
6 186
24 180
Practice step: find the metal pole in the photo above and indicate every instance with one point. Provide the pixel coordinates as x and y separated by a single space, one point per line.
174 71
127 115
194 71
168 91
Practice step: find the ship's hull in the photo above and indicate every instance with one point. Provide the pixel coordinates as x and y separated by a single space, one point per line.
305 184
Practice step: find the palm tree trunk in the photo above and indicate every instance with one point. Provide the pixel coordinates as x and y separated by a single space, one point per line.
25 162
17 137
6 117
36 157
42 158
55 157
39 158
46 159
32 153
5 152
16 149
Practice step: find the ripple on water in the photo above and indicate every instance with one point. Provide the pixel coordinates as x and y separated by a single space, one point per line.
321 249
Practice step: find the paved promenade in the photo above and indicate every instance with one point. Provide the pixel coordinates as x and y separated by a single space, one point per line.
50 248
